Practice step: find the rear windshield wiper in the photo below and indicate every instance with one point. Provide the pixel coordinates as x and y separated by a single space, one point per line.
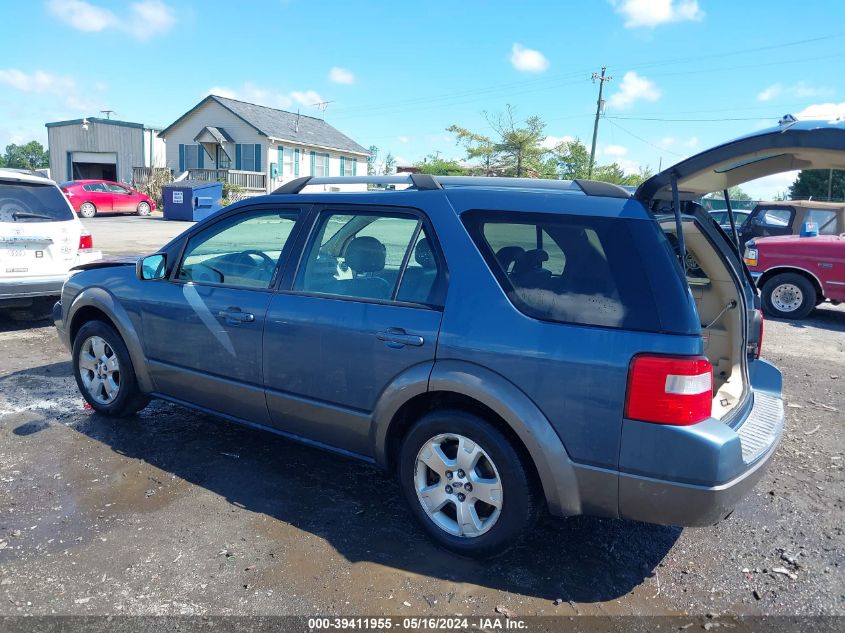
17 215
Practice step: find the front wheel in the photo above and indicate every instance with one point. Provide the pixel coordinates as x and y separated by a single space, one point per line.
87 210
788 296
466 484
104 372
143 208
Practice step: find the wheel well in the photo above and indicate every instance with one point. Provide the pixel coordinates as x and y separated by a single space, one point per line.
419 405
85 314
769 274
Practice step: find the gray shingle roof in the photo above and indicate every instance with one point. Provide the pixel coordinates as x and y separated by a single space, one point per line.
282 125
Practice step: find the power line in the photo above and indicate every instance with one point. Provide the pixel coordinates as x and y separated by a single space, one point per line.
641 139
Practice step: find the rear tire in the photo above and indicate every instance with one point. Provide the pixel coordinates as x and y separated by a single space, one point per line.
144 208
449 497
87 210
104 372
788 296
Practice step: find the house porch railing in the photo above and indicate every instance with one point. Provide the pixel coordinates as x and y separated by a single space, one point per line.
250 180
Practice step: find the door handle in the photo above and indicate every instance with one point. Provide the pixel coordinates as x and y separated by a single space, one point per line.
235 316
397 337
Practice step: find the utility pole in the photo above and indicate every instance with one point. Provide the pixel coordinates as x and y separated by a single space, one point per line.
599 106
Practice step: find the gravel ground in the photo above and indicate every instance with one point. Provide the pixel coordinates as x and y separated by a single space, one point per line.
174 512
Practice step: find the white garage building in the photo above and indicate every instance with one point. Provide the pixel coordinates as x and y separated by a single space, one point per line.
102 149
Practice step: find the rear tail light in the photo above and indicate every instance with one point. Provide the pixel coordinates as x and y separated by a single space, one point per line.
674 390
86 242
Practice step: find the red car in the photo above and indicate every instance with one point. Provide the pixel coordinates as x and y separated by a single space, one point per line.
795 273
92 197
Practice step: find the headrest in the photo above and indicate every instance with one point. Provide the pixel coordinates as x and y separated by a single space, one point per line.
531 260
424 256
508 255
366 255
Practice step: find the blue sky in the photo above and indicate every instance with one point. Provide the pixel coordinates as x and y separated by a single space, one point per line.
686 74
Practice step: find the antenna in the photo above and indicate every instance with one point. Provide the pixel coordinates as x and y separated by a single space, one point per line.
296 125
108 113
322 105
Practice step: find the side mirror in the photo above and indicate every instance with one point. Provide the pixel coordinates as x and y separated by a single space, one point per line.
152 267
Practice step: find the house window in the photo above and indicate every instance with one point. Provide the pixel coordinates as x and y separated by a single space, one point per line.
223 161
348 166
287 168
321 165
191 156
247 156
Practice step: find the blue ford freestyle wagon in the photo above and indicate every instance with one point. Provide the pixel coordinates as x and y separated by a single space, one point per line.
505 346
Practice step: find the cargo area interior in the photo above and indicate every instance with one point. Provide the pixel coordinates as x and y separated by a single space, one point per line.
714 291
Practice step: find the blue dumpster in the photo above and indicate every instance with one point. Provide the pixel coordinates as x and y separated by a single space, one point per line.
191 199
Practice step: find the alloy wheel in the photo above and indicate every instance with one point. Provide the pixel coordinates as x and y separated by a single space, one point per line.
99 370
458 485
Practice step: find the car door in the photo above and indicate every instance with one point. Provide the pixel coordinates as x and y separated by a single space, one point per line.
363 307
122 199
203 326
98 194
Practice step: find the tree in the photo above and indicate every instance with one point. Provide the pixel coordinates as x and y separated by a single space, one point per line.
372 157
29 156
518 144
389 165
571 160
735 193
477 146
437 166
814 183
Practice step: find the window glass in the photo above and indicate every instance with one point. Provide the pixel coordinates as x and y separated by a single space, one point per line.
825 220
567 268
191 154
357 255
241 252
96 187
32 203
421 277
113 188
347 166
321 165
287 161
247 156
223 160
775 218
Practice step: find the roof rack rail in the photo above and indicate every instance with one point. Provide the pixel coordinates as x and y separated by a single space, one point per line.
420 182
426 182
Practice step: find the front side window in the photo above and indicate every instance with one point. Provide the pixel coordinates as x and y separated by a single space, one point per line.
242 251
371 256
569 269
113 188
96 187
825 220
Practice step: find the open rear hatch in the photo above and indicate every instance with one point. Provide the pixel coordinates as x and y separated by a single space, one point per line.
724 292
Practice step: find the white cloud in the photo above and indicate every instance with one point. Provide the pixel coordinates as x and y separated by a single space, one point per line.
263 96
341 76
770 93
403 139
769 187
528 60
633 88
145 19
823 111
651 13
666 141
692 141
550 142
41 82
614 150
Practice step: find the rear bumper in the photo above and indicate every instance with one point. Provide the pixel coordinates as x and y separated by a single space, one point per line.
696 475
15 289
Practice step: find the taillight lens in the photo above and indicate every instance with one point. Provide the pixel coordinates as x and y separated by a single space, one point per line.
669 389
86 242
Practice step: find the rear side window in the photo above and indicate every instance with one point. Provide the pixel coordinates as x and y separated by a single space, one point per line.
32 202
570 269
825 220
775 218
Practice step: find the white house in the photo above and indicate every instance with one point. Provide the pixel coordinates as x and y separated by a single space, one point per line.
257 147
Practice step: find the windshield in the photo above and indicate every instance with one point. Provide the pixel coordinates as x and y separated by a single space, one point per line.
32 202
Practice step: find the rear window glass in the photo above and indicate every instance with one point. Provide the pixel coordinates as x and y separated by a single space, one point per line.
569 269
775 218
30 202
825 220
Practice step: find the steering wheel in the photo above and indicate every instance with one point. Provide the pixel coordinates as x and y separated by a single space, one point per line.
267 260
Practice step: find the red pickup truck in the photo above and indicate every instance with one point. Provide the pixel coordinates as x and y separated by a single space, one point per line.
796 273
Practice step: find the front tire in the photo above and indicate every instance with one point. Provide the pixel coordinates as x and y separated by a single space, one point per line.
104 372
144 208
788 296
466 484
87 210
